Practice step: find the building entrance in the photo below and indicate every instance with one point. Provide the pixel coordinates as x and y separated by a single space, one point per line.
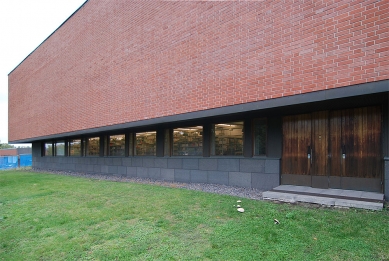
333 149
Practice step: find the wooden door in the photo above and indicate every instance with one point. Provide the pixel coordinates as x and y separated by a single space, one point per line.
333 149
296 150
319 156
356 149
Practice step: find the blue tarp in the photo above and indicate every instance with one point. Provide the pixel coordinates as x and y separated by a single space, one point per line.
25 160
11 162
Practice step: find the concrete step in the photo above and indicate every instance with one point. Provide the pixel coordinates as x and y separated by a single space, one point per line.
328 197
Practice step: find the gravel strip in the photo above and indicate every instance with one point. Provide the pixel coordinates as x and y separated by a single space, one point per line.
211 188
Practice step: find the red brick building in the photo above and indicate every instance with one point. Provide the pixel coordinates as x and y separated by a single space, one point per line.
14 151
253 94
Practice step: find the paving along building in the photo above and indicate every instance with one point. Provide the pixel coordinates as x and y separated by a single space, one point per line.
242 93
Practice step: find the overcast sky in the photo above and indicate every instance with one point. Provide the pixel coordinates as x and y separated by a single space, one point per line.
24 25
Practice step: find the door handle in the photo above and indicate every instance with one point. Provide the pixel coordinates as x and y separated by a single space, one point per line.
309 154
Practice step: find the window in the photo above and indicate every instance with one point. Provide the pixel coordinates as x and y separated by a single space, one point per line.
146 143
227 139
260 127
74 147
117 144
48 149
60 148
188 141
92 146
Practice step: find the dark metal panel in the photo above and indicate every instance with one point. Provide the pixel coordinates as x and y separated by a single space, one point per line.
102 144
335 182
248 138
160 142
298 180
126 145
320 182
274 137
385 128
66 148
207 140
363 184
37 149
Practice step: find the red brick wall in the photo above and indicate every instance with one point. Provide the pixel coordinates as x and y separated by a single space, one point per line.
8 152
120 61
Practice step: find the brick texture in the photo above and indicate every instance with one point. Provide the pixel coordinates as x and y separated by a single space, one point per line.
114 62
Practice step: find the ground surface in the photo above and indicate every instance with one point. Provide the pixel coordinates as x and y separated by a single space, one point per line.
57 217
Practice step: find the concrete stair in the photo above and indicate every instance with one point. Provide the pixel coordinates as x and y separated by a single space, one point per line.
328 197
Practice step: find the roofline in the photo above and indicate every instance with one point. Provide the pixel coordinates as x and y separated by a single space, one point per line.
48 37
306 98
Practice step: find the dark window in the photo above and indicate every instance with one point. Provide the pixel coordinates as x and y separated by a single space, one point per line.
92 147
227 139
74 147
188 141
60 148
48 149
260 128
117 144
146 143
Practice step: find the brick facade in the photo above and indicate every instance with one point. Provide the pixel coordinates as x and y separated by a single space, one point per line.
114 62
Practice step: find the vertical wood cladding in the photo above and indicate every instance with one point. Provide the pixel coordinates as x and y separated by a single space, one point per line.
121 61
344 143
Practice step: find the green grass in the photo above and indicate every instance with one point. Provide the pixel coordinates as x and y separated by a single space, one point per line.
52 217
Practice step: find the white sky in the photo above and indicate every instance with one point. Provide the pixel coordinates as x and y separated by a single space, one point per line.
24 25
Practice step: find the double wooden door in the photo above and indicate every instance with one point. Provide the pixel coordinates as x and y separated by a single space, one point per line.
333 149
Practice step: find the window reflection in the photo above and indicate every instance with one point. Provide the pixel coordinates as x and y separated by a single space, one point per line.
117 145
48 149
260 127
75 147
60 148
188 141
146 143
227 139
92 146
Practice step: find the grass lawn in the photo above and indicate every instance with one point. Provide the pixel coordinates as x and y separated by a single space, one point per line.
52 217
